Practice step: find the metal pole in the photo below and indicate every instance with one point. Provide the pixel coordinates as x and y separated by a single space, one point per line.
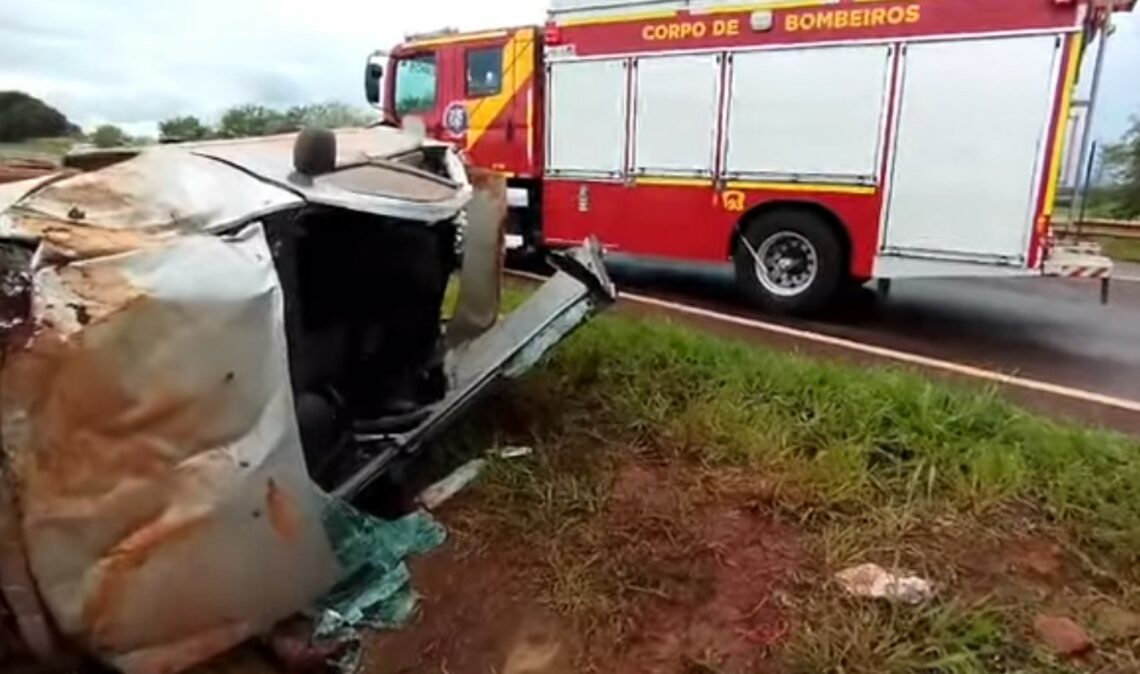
1086 140
1084 195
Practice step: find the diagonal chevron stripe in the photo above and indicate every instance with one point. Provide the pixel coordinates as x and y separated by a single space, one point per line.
518 54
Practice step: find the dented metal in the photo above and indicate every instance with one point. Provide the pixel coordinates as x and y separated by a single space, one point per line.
156 507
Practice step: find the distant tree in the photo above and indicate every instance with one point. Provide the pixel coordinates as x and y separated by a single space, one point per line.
1122 164
23 117
252 120
183 129
258 120
330 115
109 135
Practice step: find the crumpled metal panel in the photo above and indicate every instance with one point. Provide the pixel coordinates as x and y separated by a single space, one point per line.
160 190
271 159
211 187
353 145
151 450
480 286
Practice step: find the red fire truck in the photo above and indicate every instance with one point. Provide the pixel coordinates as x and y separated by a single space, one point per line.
811 142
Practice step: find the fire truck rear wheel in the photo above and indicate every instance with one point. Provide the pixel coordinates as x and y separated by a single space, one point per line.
789 261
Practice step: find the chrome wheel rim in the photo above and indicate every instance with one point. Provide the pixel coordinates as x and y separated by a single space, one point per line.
786 264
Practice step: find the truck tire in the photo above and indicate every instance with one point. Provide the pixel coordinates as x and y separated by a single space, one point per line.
801 265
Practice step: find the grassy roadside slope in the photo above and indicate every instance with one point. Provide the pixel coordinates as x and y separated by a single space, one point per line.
1011 514
47 149
1124 250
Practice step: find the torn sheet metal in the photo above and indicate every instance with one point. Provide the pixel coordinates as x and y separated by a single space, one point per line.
168 189
158 191
150 442
376 189
480 287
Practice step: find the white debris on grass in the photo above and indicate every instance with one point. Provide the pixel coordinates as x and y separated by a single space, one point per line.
873 581
513 452
442 491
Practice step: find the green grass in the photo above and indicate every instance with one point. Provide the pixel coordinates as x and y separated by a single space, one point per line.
849 437
1124 250
37 148
861 460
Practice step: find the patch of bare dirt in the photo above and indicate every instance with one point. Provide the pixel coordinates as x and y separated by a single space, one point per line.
474 616
713 574
24 169
689 569
1028 563
696 575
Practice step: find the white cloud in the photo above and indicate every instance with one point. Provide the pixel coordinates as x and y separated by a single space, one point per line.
133 62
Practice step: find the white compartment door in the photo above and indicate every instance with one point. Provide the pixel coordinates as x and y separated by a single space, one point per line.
811 114
675 117
973 125
586 125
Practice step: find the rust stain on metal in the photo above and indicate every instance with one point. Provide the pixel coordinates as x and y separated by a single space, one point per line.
282 515
201 647
77 242
75 405
122 561
89 432
105 290
92 194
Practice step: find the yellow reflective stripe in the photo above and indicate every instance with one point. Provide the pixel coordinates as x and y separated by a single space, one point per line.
1062 123
675 182
760 7
518 54
452 39
803 187
671 14
622 18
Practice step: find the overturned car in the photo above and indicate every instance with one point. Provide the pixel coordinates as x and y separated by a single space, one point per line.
202 343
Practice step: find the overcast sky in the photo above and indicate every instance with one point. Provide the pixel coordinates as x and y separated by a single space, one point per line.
133 62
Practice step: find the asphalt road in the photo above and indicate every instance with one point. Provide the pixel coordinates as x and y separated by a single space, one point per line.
1051 330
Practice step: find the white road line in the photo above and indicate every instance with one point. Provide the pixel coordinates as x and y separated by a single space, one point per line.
1129 279
881 352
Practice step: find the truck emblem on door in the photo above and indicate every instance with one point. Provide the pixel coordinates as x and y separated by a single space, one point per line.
455 119
733 201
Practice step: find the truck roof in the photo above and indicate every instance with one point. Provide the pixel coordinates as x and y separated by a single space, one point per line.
450 35
582 8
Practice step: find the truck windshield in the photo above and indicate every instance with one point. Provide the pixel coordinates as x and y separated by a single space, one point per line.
415 83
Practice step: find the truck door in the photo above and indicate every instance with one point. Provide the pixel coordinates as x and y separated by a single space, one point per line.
972 131
499 99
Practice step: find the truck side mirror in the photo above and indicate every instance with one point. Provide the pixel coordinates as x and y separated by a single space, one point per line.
373 74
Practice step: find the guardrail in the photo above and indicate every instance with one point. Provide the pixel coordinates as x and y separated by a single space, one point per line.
1112 229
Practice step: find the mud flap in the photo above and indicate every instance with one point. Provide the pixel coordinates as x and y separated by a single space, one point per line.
580 289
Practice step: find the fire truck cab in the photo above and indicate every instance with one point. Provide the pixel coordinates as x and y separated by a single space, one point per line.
812 143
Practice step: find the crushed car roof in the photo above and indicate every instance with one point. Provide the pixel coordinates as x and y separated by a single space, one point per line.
219 185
